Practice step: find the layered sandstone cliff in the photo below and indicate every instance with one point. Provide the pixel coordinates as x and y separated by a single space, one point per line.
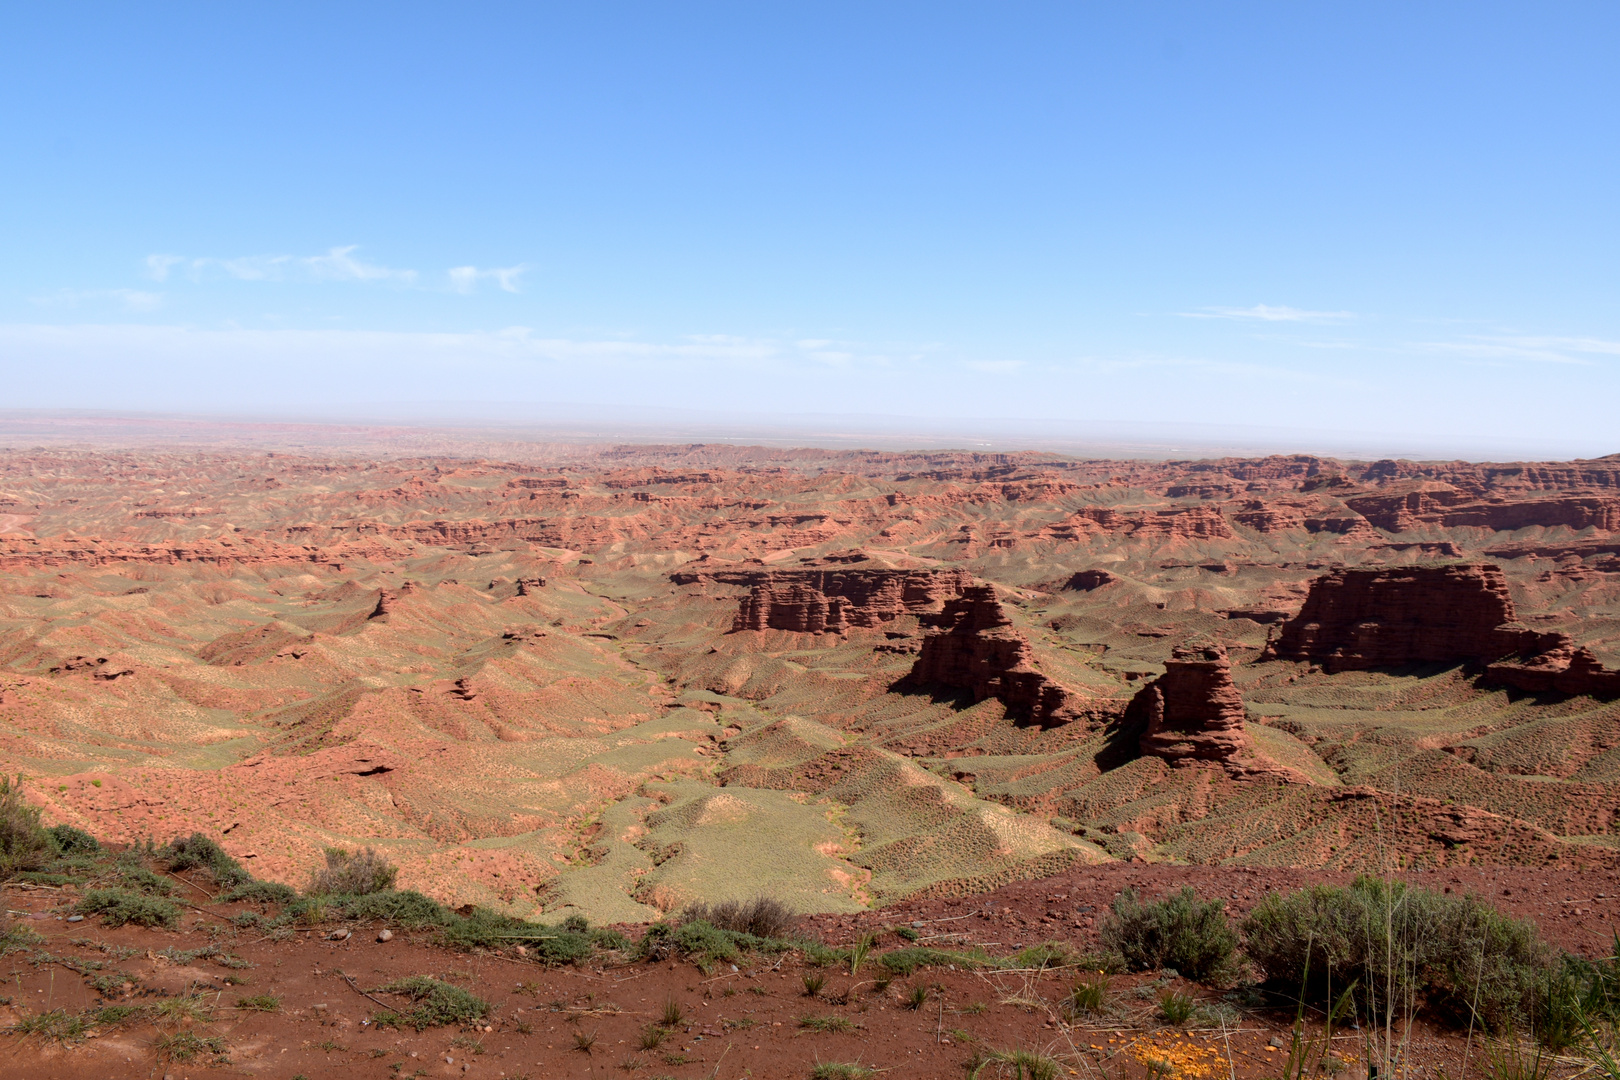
1359 619
973 646
833 601
1443 506
1390 616
1554 664
1193 713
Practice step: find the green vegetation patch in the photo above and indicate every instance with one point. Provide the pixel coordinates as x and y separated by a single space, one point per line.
198 850
1456 954
119 906
436 1004
1194 937
258 892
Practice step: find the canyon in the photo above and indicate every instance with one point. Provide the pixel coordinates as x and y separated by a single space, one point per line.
618 679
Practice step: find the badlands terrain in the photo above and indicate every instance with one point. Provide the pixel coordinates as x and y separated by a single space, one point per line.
621 680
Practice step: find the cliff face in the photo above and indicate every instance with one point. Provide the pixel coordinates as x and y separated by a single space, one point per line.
1554 664
1358 619
1193 713
972 645
833 601
1445 507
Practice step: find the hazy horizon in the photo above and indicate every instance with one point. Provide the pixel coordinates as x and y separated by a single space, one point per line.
1370 225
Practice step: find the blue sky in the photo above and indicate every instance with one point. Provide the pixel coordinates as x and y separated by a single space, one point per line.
1392 219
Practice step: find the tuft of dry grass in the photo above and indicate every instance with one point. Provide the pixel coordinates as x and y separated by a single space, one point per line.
762 916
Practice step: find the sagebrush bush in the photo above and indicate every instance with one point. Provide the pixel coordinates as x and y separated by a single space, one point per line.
119 906
1182 932
258 892
762 916
71 841
1404 947
354 873
198 850
24 843
702 941
402 907
436 1003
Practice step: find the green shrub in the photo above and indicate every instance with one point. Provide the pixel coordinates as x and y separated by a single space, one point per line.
905 961
119 906
1456 954
198 850
702 942
258 892
551 945
71 841
354 873
24 843
436 1003
139 878
402 907
1180 931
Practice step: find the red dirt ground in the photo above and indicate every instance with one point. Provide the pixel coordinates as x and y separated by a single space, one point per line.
743 1023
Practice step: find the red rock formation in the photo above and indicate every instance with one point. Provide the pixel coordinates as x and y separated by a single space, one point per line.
1182 523
1358 619
973 646
1443 506
1554 664
833 601
1087 580
1193 713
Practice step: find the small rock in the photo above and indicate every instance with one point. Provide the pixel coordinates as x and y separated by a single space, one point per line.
1277 1042
522 950
488 1029
386 935
75 918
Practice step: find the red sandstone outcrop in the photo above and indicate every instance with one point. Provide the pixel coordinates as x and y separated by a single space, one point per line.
973 646
1192 713
1369 618
1358 619
1182 523
1555 664
832 601
1087 580
1443 506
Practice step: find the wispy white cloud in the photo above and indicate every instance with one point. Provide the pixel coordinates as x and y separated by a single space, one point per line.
464 279
133 300
1268 313
1579 351
158 266
337 264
